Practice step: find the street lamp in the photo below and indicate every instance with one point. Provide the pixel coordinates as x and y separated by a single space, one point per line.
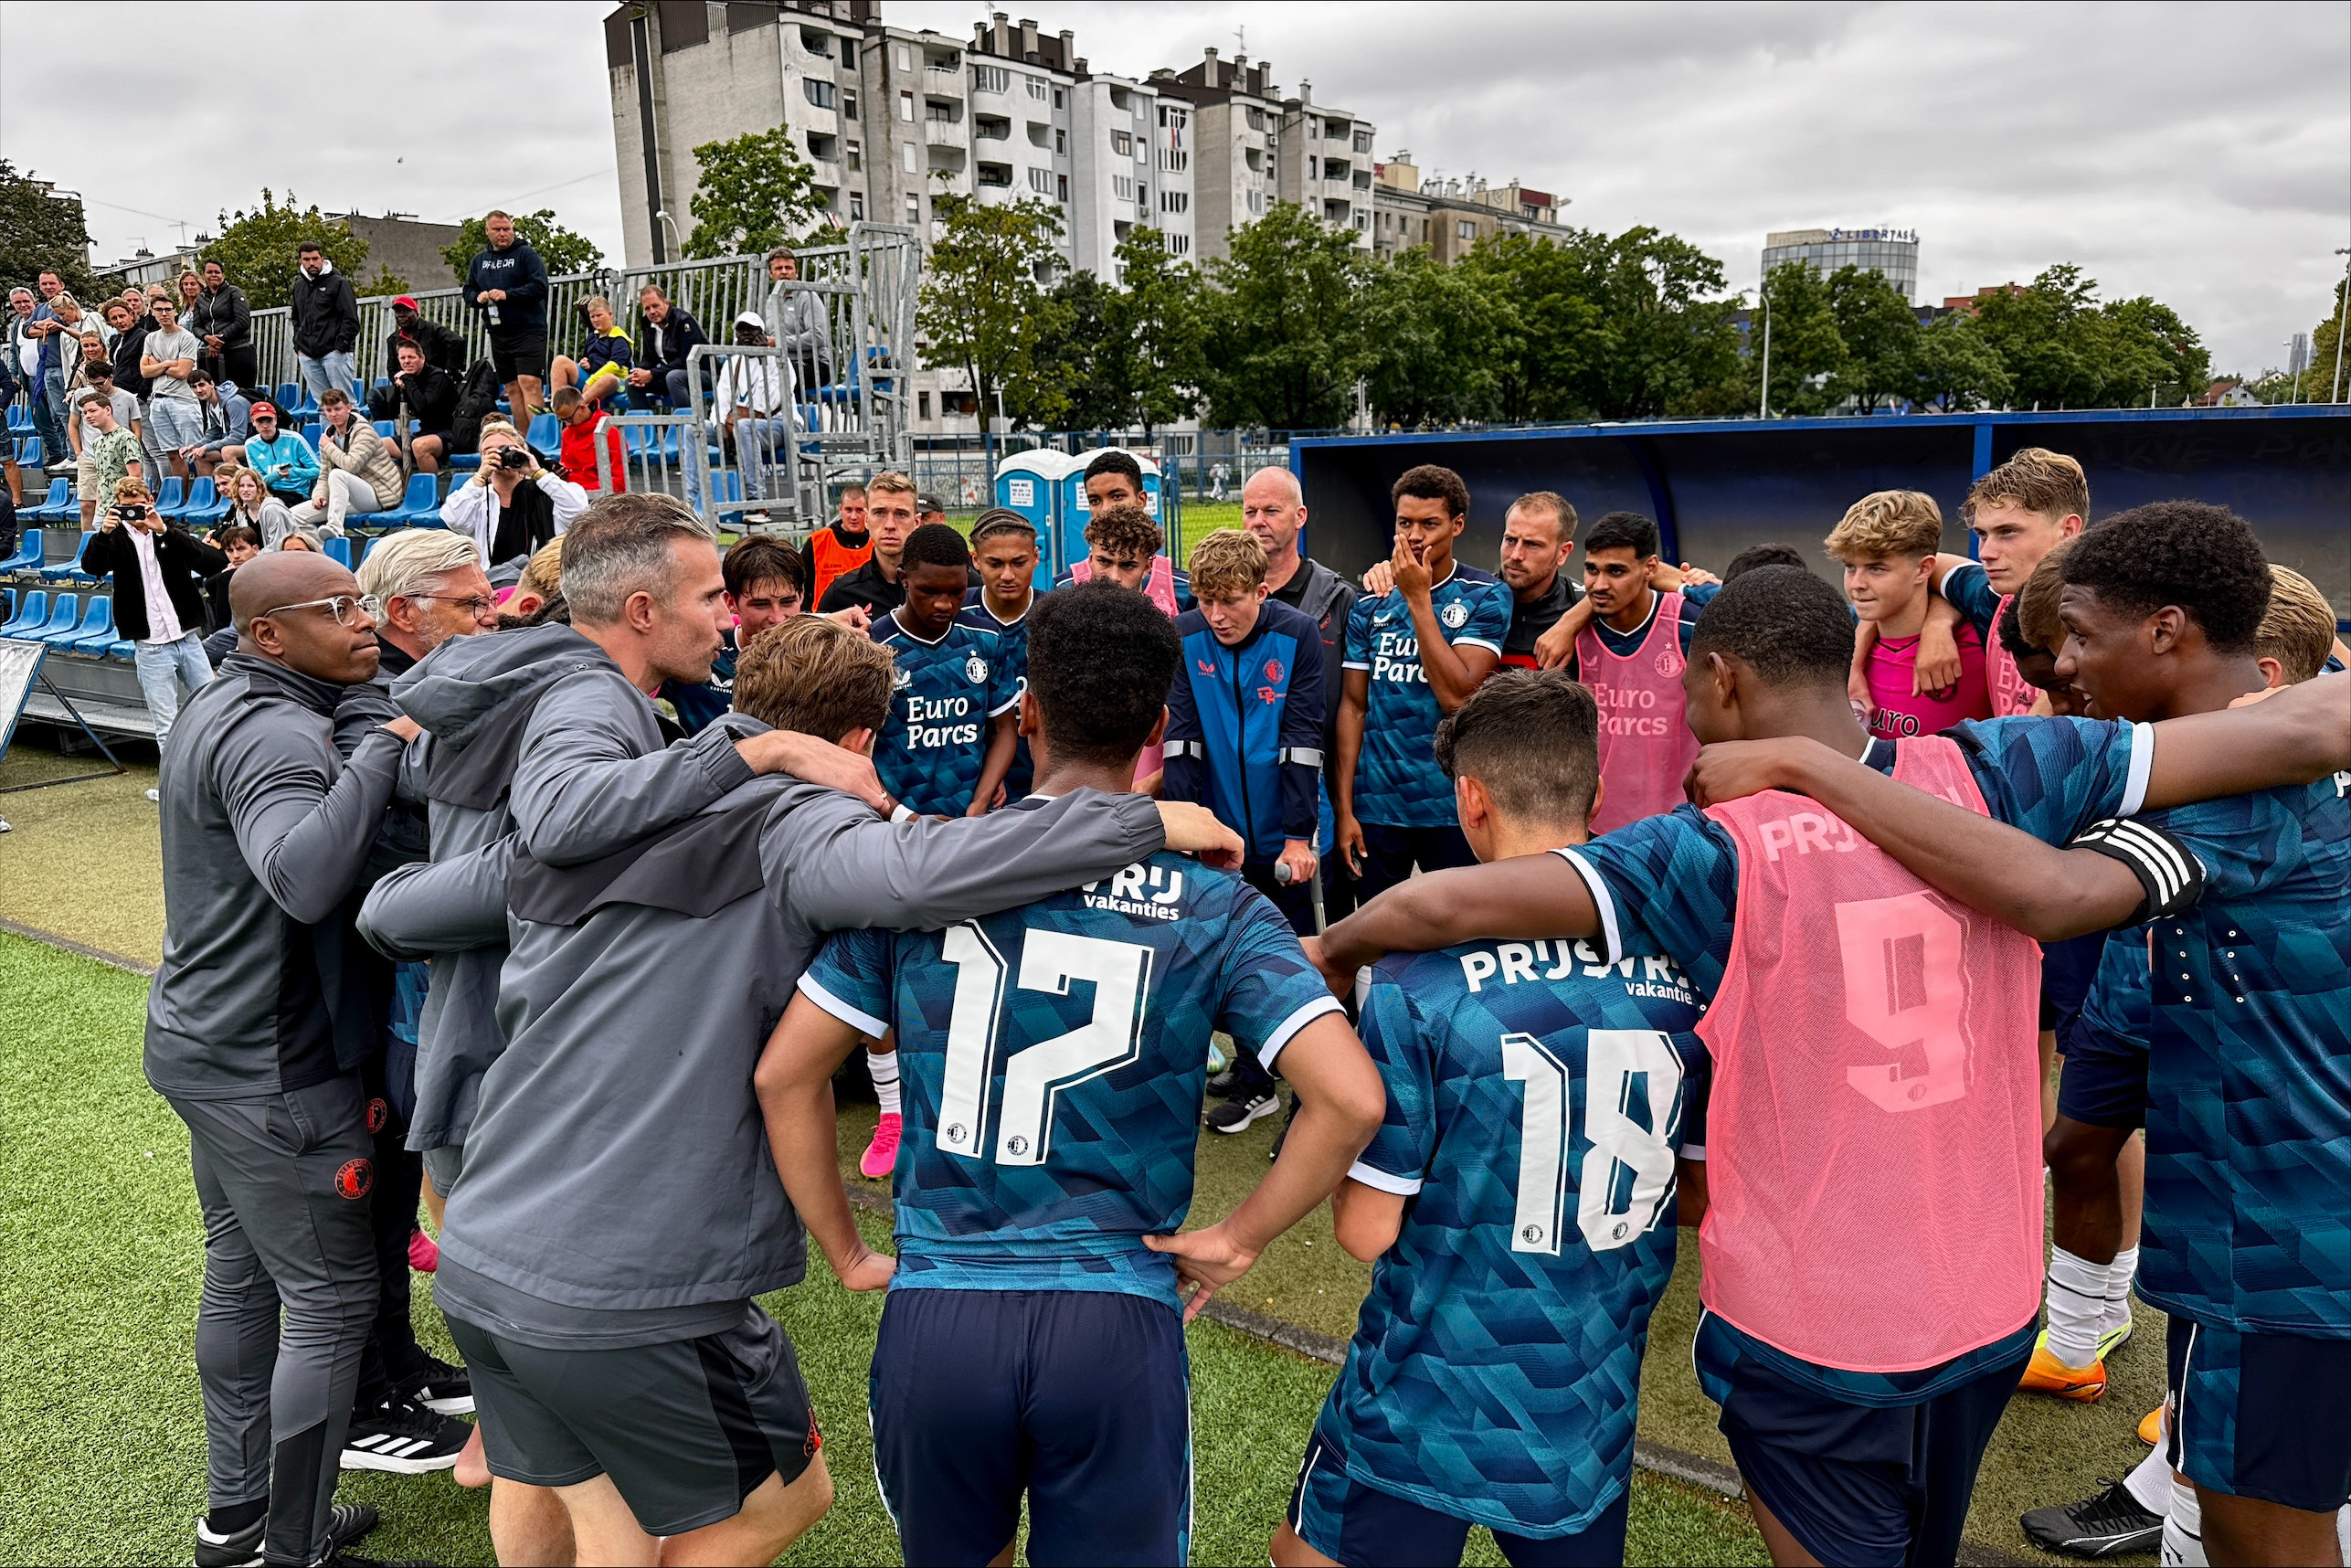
1763 398
2335 394
676 244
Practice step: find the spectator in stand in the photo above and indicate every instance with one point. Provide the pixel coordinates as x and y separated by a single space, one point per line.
25 363
585 428
431 587
91 350
795 321
227 417
422 392
507 283
601 371
302 540
158 570
174 419
284 460
360 471
223 321
114 452
669 335
90 484
251 505
240 543
511 506
444 349
191 289
131 326
60 348
755 407
325 322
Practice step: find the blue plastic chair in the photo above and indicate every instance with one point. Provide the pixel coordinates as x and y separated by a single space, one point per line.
96 633
28 551
71 571
30 614
421 503
206 505
52 507
545 432
339 550
28 452
172 503
20 416
61 620
290 392
384 428
311 430
465 462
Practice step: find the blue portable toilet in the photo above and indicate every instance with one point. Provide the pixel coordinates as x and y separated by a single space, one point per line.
1029 483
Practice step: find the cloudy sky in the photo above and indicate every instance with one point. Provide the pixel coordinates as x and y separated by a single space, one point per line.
2199 153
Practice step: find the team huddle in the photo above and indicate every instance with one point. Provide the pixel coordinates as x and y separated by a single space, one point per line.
1570 920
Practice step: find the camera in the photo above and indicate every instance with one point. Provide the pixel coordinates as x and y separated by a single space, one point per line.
514 457
131 512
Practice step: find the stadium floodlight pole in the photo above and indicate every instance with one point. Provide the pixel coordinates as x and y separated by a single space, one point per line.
2335 393
2293 378
1763 398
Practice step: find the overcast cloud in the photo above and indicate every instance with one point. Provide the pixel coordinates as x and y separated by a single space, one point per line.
2199 153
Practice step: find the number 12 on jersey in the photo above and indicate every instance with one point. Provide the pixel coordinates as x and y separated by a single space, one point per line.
1035 1076
1615 1057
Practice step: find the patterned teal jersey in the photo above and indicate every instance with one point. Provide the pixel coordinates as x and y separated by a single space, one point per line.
1054 1058
1012 641
2116 1002
1537 1097
2249 1088
941 699
1970 593
1397 781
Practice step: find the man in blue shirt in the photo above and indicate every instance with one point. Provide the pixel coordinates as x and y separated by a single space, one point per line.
948 743
1414 654
1005 552
1032 1340
1519 1203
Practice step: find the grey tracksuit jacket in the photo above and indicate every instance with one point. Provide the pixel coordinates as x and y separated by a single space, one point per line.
535 729
265 831
618 1186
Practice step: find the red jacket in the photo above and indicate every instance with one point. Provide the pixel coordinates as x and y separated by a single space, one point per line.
579 454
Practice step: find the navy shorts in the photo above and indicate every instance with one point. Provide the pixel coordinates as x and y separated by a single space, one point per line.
1390 852
1362 1527
1857 1484
2266 1416
1080 1399
2104 1082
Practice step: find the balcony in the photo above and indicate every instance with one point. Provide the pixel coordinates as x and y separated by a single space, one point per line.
825 172
992 128
998 177
943 81
944 132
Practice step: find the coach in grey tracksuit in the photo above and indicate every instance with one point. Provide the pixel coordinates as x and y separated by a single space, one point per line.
619 1204
264 831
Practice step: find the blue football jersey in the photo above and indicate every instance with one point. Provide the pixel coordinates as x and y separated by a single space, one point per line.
1537 1097
1054 1059
941 698
1397 781
2116 1003
1970 593
2249 1088
1012 644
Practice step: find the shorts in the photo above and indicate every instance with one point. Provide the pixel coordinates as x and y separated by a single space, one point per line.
1360 1526
686 1429
2104 1082
442 1165
514 355
174 422
1080 1399
1860 1484
2266 1416
1390 852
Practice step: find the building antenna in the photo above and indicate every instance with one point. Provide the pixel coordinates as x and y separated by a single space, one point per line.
1240 36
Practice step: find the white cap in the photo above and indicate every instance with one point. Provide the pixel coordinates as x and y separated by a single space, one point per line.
752 318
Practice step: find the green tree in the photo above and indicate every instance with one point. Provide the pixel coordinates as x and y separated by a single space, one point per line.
2319 383
258 249
1279 344
41 233
2046 336
1953 368
564 252
1078 337
2147 352
1546 329
383 284
1878 331
1156 315
984 304
753 192
1430 334
1808 352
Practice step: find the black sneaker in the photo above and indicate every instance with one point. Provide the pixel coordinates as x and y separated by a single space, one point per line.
442 1388
404 1437
1240 1110
1222 1083
1289 1119
2106 1524
349 1523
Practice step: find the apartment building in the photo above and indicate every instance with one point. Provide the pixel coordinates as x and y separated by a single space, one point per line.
1250 147
1324 163
1449 217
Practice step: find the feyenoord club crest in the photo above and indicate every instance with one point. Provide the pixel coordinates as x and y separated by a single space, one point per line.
1455 615
1668 663
1274 671
355 1180
975 670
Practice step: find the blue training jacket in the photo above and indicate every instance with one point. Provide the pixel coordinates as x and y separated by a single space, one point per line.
1245 726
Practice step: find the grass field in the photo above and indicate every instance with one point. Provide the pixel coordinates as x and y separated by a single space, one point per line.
101 1425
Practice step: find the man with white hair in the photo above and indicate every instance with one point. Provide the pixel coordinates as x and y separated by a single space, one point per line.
431 586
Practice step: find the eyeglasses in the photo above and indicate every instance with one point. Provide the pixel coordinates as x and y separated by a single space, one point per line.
476 605
346 610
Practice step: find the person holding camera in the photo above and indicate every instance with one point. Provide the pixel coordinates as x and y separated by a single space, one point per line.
158 570
511 506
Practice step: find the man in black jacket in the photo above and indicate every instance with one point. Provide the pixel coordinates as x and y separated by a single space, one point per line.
507 283
444 349
326 322
223 322
421 392
668 335
158 570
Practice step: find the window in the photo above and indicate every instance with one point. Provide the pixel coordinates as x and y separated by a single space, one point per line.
1060 143
905 57
1335 129
820 93
1257 203
1362 141
815 42
1173 119
938 112
1174 160
1122 187
991 79
1121 144
997 176
857 204
1178 244
1041 181
1257 119
848 54
922 404
906 107
853 160
1175 201
914 208
820 147
1466 229
849 104
1363 221
1037 88
989 128
1057 100
906 156
1060 189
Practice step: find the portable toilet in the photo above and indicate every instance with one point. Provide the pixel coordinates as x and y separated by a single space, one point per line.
1074 512
1029 483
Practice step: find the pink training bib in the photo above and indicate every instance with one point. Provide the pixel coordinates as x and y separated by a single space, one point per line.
1646 749
1896 713
2012 694
1159 587
1873 1149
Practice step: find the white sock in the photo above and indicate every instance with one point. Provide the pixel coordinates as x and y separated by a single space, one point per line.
2151 1482
2184 1528
2077 1306
2120 1273
884 1065
2343 1532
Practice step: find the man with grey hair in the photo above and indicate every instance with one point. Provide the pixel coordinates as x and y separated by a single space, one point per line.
431 587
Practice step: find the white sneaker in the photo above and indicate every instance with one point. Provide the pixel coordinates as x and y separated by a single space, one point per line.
155 796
